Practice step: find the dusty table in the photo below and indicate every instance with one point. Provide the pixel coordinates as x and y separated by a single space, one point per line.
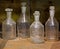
26 44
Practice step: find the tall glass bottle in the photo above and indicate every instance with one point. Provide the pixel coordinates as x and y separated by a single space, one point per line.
9 26
51 26
23 23
37 29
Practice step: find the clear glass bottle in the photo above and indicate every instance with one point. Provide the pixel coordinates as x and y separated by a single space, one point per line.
52 26
37 29
9 26
23 23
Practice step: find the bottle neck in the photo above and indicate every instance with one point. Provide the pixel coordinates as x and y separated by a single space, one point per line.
36 17
23 8
52 12
24 18
9 15
52 19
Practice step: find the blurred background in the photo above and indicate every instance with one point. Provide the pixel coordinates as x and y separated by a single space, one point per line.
41 5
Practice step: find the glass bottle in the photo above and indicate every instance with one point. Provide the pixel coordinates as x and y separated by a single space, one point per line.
37 29
52 26
23 23
9 26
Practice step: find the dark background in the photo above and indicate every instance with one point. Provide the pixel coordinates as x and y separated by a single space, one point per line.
41 5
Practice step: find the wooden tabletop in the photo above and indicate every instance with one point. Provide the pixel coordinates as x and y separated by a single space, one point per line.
27 44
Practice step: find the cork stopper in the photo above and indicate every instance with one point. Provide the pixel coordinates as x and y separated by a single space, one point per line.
23 8
8 9
52 11
23 3
36 15
52 7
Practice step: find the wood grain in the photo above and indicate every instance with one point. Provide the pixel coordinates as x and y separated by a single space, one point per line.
27 44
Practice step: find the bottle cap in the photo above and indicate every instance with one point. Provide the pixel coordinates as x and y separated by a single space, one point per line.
8 9
36 13
52 7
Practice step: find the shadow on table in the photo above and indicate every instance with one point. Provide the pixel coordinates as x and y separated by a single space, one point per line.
55 45
2 43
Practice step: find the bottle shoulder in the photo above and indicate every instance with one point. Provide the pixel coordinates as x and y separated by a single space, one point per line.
9 22
22 20
49 22
36 25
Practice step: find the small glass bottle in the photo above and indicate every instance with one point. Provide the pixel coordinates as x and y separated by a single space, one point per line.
37 29
52 26
23 23
8 26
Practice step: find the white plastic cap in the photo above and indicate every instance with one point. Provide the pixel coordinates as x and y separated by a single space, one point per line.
23 3
52 7
8 9
36 13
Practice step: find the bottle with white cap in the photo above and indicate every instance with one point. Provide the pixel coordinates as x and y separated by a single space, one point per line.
37 29
9 26
52 26
23 22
